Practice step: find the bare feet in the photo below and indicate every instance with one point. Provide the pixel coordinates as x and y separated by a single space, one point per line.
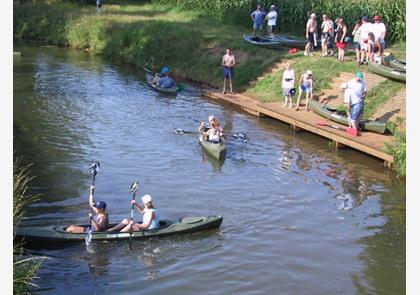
285 104
297 109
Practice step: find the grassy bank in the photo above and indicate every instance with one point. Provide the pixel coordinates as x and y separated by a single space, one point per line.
25 267
191 43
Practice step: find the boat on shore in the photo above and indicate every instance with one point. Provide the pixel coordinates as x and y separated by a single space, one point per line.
167 228
216 150
264 42
286 40
393 62
387 72
149 78
334 115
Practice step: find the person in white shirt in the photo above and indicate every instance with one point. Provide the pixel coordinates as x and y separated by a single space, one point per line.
271 20
379 30
365 29
288 84
354 99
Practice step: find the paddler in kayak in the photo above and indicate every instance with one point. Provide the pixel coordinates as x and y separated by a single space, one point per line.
162 79
98 216
214 134
150 217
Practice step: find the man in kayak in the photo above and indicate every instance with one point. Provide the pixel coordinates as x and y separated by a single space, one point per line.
150 217
354 99
99 218
166 82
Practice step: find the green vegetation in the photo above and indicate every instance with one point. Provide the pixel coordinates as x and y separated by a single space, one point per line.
294 13
25 267
397 149
191 43
379 95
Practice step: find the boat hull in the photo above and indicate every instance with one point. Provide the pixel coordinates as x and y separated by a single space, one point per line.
330 113
168 228
217 151
387 72
394 63
285 40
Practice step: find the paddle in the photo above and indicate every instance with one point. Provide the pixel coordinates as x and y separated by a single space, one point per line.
324 123
133 189
94 169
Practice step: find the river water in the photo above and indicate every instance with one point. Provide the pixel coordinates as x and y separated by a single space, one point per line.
299 217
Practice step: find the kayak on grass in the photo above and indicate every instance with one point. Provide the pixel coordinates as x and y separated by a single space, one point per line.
387 72
149 78
216 150
393 62
166 228
333 114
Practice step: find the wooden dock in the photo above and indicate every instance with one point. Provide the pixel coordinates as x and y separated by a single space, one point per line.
370 143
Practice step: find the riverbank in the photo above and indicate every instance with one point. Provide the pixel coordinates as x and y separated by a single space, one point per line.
190 43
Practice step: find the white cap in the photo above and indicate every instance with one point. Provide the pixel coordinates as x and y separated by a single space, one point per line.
146 199
272 6
313 15
309 72
211 118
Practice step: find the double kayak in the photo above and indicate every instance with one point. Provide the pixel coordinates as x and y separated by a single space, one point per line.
387 72
334 115
216 150
149 78
166 228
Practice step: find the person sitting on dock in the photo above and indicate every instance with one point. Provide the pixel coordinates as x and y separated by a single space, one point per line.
306 84
99 218
354 99
150 217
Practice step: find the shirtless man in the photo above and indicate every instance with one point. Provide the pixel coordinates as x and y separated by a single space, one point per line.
311 27
228 62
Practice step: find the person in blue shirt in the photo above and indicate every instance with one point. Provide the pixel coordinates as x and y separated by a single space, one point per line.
258 17
166 82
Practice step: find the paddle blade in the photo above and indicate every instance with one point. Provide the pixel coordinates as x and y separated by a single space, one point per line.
94 167
134 187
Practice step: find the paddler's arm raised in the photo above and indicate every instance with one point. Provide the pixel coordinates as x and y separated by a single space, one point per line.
139 208
92 200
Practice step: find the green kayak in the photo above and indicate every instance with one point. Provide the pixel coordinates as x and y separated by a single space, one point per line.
333 114
149 77
387 72
216 150
391 61
167 228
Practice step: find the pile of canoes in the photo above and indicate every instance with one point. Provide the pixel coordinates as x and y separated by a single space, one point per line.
334 115
392 68
276 42
39 234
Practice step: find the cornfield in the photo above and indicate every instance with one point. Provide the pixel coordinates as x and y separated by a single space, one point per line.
293 14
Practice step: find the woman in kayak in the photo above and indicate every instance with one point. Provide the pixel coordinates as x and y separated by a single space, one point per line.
205 127
214 134
99 218
150 217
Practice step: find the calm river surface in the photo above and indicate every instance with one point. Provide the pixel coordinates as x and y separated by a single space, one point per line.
299 218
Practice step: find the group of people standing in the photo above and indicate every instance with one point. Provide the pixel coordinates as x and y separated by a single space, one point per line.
368 38
259 16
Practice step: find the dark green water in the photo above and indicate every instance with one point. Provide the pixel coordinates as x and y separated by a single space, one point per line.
299 218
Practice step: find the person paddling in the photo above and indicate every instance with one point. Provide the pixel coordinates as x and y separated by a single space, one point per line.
99 218
150 217
214 134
